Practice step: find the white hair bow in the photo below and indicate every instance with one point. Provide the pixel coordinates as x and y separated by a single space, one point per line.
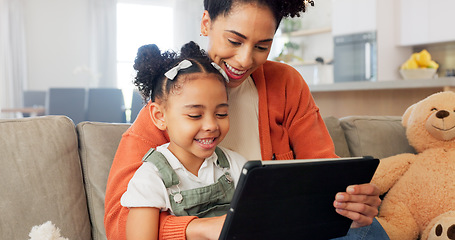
175 70
217 67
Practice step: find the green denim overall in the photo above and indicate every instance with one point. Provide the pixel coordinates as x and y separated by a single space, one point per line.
209 201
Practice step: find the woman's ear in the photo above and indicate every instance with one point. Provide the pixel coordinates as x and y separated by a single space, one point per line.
205 23
157 116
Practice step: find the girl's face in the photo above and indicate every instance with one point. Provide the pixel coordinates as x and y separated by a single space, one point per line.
240 42
196 118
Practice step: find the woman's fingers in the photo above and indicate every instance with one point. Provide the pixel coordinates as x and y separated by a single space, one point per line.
359 203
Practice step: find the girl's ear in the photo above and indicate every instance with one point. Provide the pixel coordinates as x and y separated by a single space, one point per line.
157 116
205 23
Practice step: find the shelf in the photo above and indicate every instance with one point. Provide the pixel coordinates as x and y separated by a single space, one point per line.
302 33
445 83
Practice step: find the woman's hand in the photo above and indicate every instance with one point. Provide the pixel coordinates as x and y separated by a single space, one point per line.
359 203
205 228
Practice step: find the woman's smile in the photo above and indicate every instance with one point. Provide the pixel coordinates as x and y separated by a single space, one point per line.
233 72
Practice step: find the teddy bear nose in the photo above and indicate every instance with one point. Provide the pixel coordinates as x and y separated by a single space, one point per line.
451 232
442 114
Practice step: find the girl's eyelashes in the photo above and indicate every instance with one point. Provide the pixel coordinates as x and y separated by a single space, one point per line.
221 115
198 116
194 116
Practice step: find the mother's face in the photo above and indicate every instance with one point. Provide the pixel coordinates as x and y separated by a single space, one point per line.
240 42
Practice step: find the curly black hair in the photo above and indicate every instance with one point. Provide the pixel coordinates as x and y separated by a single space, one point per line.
151 65
279 8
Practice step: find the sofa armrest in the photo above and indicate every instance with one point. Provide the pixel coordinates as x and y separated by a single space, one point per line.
41 178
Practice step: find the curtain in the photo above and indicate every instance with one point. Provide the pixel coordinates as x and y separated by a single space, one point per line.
13 62
187 23
103 35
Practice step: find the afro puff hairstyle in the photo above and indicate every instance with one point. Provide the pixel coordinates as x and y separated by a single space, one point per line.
279 8
151 64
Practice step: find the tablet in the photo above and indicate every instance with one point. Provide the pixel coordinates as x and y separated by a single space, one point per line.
293 199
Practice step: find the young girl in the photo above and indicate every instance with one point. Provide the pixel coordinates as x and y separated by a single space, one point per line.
190 175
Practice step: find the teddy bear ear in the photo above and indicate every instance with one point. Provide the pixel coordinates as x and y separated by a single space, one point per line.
407 114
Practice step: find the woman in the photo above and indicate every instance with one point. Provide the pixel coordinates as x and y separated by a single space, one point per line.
273 116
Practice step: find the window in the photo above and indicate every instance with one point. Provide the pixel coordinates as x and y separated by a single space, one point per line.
140 23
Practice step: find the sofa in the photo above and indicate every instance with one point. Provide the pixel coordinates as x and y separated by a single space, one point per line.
52 170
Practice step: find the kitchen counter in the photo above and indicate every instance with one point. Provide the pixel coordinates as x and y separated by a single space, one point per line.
376 98
445 82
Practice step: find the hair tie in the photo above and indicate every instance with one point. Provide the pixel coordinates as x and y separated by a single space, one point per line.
217 67
175 70
309 2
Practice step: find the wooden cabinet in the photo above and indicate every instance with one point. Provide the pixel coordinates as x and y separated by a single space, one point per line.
425 22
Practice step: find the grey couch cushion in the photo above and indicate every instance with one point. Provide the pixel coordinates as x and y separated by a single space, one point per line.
377 136
337 134
98 143
41 178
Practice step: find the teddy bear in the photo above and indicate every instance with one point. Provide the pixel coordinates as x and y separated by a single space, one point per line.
420 187
441 228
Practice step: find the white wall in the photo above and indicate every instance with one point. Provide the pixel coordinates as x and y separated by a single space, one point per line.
354 16
57 34
187 21
390 54
58 39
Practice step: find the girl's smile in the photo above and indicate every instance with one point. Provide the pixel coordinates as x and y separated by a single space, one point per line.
207 143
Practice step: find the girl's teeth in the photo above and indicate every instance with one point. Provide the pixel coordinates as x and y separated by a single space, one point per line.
205 141
234 70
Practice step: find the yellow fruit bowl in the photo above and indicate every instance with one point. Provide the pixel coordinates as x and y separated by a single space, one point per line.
420 73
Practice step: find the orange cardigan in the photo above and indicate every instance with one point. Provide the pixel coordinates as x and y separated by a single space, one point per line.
290 126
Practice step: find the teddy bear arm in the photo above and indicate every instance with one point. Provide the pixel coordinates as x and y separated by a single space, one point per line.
398 222
390 170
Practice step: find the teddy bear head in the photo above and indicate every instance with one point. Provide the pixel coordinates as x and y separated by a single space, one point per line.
441 228
430 123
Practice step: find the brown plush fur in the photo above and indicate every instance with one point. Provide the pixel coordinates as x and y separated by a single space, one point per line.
420 186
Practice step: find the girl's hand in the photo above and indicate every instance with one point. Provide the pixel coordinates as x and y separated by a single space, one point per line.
359 203
205 228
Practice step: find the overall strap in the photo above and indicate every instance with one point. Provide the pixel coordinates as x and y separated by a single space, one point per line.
222 159
168 174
